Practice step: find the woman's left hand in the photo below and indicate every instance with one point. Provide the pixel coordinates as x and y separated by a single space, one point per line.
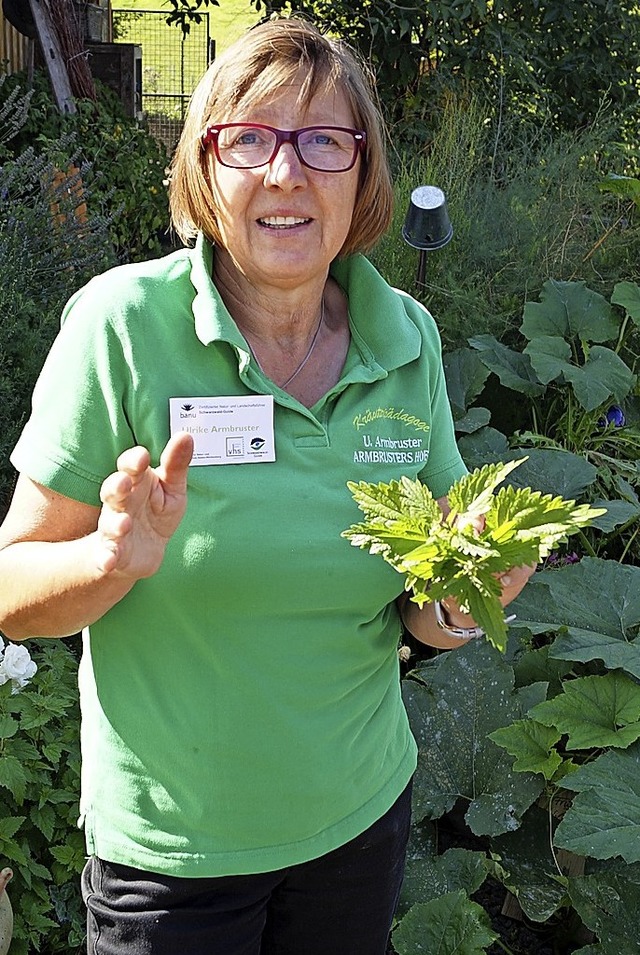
512 582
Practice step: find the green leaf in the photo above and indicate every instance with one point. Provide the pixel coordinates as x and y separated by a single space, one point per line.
532 744
450 925
618 512
528 868
429 875
8 727
554 472
450 557
537 666
467 696
13 777
593 605
569 310
472 495
603 376
594 711
604 819
69 856
44 817
473 420
514 369
608 902
484 447
9 825
627 294
550 357
465 375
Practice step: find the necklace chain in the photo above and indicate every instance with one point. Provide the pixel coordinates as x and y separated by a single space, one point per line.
306 357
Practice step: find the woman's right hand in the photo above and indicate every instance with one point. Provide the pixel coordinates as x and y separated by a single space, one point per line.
141 509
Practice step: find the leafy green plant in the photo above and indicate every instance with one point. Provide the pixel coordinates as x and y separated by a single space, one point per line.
39 790
527 58
123 167
506 740
539 747
568 399
453 556
526 207
47 251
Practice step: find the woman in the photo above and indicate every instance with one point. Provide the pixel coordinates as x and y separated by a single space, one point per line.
246 756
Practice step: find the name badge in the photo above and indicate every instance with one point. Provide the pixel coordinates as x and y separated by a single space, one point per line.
226 430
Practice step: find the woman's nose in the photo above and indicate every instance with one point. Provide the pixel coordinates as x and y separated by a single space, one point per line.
285 169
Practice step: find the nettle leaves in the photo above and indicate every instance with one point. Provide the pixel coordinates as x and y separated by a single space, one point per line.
450 557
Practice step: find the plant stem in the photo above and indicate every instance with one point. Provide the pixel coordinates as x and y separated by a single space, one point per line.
587 544
628 545
505 948
553 853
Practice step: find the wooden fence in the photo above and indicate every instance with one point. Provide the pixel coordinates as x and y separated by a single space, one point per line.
14 48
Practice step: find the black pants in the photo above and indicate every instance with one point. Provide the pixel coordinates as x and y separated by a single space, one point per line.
340 904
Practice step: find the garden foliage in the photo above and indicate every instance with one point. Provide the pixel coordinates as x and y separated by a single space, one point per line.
39 788
124 168
55 234
558 59
557 722
49 246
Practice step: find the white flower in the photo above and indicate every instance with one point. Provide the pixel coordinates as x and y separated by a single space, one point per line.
16 666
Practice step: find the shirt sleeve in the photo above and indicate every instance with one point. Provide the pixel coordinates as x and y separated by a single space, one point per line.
78 424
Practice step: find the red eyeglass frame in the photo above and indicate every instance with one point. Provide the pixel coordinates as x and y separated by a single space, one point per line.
210 138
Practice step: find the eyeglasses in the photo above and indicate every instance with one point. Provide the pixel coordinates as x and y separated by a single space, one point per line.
248 145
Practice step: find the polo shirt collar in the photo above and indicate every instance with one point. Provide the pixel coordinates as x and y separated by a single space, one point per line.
384 332
378 314
212 320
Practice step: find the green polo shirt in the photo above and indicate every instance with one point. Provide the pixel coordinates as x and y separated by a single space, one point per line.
241 709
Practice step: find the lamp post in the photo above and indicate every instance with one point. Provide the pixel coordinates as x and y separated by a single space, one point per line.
426 225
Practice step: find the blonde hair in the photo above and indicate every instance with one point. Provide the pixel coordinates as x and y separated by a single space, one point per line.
267 57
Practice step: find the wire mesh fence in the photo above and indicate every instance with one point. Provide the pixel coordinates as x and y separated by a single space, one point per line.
172 64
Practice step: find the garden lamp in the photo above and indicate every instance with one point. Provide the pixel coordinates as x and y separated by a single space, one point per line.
426 225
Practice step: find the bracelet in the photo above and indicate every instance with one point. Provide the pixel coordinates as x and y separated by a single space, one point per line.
460 633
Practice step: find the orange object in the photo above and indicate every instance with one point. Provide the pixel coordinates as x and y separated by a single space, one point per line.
67 183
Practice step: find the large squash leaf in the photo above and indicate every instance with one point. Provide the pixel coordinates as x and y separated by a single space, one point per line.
450 925
468 695
484 447
617 512
570 310
594 711
594 606
512 368
533 745
466 376
627 294
527 867
608 902
428 875
554 471
604 818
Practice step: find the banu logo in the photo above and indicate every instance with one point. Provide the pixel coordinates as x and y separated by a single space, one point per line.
186 411
257 444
